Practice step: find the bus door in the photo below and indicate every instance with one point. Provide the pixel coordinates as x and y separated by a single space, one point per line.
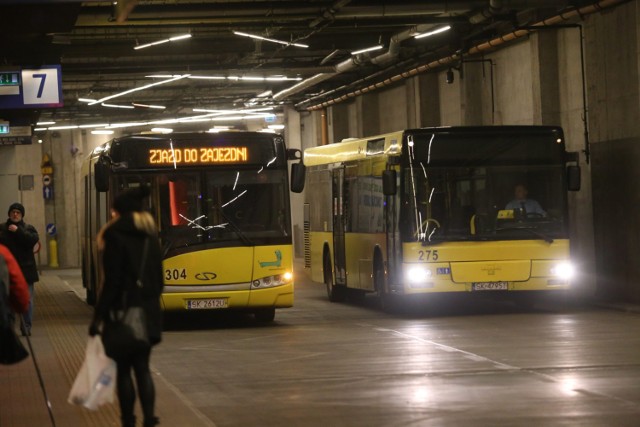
339 226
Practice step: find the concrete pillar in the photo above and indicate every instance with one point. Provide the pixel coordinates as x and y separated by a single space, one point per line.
545 79
338 122
428 100
471 93
293 139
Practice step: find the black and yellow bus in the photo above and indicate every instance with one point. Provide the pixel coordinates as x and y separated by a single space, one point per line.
221 202
435 210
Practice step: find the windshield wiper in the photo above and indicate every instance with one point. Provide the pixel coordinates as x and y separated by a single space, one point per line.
239 232
530 230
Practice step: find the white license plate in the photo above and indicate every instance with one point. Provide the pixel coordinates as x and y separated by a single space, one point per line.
490 286
207 304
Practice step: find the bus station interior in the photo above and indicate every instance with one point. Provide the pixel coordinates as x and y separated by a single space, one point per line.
568 63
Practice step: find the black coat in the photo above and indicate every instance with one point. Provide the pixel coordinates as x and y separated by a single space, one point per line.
21 243
122 259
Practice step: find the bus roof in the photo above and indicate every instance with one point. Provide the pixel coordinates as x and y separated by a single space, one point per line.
390 144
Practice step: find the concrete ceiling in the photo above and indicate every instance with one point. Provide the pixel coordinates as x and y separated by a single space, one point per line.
94 42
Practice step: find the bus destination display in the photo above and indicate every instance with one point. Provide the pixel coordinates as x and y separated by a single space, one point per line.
197 156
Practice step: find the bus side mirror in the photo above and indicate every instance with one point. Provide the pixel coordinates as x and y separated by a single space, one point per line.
294 154
573 178
389 186
101 175
298 172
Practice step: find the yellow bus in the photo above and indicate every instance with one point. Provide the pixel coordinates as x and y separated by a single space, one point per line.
221 202
441 210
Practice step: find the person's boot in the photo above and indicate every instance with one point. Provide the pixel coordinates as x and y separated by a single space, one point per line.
129 421
152 422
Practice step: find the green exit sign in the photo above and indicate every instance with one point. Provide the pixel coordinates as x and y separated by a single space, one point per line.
4 128
9 78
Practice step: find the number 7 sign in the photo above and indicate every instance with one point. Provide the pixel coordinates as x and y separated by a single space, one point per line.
41 86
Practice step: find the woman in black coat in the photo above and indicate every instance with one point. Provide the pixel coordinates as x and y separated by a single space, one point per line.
122 242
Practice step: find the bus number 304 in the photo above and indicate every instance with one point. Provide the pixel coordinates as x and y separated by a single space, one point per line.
175 274
428 255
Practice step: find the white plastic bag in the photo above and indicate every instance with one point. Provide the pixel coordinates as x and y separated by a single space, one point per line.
95 383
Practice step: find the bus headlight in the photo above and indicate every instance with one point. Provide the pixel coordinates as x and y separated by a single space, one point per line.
564 270
418 274
272 281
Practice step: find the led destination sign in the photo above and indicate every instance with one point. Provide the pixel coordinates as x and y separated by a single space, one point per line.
197 156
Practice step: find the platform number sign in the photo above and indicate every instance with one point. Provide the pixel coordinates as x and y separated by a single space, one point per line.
32 88
40 86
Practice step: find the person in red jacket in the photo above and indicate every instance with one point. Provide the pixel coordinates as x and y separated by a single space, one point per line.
18 289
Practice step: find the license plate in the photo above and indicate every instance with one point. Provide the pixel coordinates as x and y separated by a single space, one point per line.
490 286
207 304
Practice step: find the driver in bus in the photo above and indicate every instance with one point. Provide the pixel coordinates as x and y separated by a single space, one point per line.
521 202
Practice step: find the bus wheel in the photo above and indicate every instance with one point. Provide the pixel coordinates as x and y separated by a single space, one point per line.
265 315
334 292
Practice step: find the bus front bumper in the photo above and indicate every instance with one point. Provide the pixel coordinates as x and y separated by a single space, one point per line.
276 297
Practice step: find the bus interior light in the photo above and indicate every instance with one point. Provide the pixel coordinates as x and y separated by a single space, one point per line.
563 270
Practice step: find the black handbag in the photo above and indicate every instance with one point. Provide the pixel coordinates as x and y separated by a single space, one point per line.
126 331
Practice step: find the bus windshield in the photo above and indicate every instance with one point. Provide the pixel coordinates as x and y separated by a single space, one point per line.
483 189
221 207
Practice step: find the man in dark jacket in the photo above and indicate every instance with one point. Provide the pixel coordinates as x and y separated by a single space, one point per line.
20 238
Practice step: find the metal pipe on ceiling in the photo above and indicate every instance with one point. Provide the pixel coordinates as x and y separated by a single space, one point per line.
355 61
480 48
500 6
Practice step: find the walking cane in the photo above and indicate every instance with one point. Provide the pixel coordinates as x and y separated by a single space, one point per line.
35 363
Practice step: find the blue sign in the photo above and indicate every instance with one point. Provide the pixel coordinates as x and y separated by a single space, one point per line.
47 192
51 229
271 118
39 88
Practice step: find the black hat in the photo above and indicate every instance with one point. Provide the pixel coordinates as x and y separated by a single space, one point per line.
16 206
131 200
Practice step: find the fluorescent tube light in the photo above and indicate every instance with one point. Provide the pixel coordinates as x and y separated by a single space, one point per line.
208 77
431 33
369 49
45 123
136 89
39 129
264 94
162 130
86 100
128 107
171 39
157 107
253 36
63 127
277 127
102 125
102 132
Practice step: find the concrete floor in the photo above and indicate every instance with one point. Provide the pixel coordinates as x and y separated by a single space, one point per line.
480 364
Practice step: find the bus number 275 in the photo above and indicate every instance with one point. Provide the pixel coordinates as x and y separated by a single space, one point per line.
428 255
175 274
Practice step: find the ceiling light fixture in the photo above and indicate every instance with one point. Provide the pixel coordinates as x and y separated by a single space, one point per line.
171 39
431 33
101 125
157 107
137 89
253 36
39 129
45 123
369 49
128 107
102 132
162 130
63 127
276 127
86 100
